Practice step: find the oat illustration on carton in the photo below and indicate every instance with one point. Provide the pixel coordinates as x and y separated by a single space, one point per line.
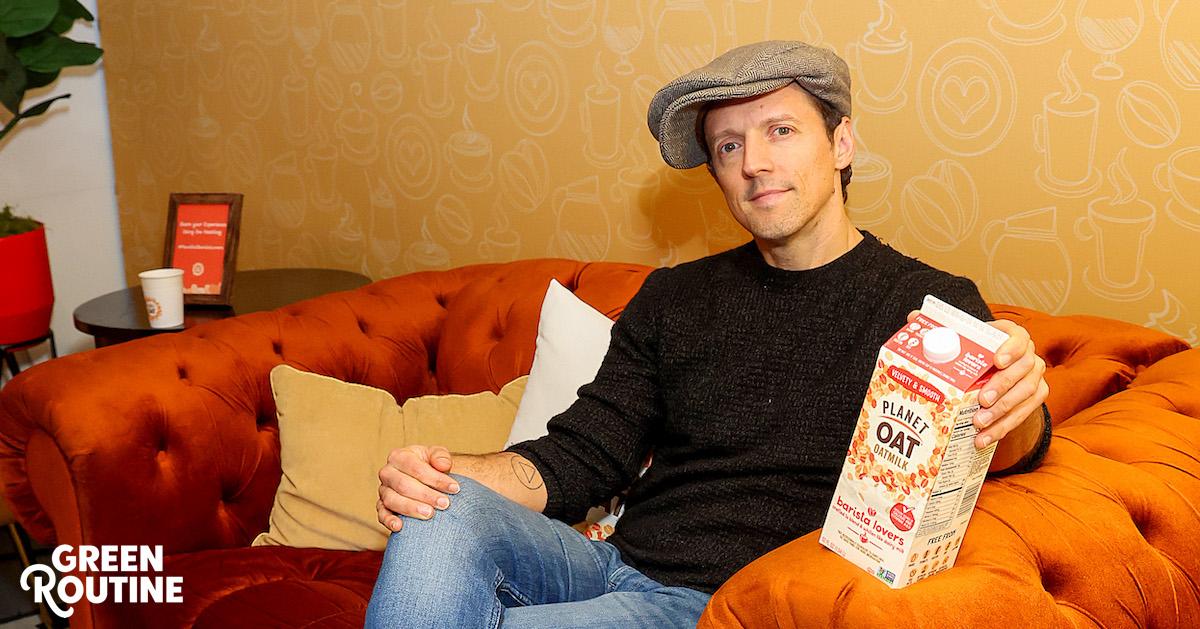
912 472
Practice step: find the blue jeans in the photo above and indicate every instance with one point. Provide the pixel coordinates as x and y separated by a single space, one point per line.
489 562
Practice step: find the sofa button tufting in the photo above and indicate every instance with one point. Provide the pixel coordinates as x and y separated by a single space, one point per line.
1052 580
277 347
1142 524
182 372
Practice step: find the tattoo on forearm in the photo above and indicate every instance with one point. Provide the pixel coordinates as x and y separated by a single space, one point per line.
526 473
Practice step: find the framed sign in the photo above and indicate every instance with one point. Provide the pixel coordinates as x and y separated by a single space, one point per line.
202 239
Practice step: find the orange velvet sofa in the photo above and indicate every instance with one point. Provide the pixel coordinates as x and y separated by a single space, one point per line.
172 440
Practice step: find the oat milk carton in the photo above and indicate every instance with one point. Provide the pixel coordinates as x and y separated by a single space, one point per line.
912 472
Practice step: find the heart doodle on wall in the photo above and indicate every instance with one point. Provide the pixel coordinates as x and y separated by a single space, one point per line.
410 156
536 88
964 98
967 97
413 158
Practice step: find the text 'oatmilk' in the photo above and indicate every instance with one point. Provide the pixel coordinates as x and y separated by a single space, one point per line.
912 472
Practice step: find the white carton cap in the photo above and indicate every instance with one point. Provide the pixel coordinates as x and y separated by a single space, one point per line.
941 345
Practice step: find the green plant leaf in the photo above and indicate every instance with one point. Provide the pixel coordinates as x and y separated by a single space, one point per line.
39 79
41 107
12 80
68 12
11 224
36 110
61 23
74 9
54 53
22 17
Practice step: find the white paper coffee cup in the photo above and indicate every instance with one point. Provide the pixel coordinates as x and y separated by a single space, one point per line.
163 290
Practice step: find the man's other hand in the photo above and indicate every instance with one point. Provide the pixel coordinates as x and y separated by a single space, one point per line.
413 483
1015 392
1017 389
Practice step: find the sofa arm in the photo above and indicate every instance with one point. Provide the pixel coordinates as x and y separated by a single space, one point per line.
173 440
803 584
1101 534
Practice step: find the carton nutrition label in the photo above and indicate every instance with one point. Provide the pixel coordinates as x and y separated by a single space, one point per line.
962 462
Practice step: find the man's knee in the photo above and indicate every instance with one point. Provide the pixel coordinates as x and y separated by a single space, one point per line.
472 514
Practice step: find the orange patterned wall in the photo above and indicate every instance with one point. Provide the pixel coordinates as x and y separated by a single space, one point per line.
1048 149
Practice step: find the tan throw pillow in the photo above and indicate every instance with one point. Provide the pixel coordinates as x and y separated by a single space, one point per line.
334 436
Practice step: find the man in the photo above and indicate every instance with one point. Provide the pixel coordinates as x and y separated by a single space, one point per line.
743 372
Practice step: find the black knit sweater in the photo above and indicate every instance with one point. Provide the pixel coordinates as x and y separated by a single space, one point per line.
746 381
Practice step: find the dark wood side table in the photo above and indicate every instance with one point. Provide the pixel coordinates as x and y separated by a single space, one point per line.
120 316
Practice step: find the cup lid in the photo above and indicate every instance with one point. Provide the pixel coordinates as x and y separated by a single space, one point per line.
158 274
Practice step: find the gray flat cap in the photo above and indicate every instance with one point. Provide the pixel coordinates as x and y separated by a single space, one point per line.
744 71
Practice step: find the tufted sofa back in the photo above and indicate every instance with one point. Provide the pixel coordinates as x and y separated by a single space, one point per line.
173 440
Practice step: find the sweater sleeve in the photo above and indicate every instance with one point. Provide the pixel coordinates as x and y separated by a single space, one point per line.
1035 457
595 448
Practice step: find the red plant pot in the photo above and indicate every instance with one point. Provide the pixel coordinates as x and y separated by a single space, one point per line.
26 293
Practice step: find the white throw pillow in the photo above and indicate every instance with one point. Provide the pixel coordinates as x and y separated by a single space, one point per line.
572 340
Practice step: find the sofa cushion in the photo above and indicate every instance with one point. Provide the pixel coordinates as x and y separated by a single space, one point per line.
572 339
336 435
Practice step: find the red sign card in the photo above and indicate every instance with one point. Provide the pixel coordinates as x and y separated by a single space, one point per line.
200 246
